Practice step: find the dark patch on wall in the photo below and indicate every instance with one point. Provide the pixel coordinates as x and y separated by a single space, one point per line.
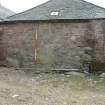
2 52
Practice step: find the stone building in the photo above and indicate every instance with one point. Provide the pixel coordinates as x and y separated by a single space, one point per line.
52 35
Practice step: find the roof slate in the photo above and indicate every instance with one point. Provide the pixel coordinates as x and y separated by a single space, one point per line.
68 9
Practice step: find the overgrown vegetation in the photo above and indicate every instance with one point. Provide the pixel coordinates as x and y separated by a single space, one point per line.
93 57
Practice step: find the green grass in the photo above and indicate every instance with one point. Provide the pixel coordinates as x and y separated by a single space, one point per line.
73 89
75 82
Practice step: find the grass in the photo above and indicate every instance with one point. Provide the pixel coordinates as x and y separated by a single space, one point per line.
73 89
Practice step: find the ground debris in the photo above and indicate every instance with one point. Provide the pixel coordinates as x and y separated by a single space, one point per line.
14 96
20 88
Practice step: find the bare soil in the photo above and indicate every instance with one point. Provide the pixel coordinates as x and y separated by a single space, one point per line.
18 87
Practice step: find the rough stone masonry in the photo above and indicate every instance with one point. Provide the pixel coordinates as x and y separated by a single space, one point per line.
57 44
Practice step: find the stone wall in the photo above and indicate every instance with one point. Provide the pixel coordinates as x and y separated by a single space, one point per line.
58 45
19 43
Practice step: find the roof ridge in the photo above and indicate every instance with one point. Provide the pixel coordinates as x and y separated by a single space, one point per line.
29 9
93 4
82 9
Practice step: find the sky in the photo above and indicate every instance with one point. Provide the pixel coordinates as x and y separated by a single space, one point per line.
22 5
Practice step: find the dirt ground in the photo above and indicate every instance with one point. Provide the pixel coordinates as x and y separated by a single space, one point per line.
28 88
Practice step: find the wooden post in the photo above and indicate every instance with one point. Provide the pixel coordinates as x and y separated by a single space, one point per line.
36 37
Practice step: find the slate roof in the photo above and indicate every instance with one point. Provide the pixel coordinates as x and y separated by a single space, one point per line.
68 9
4 12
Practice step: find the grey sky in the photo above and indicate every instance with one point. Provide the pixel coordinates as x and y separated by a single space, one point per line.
21 5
